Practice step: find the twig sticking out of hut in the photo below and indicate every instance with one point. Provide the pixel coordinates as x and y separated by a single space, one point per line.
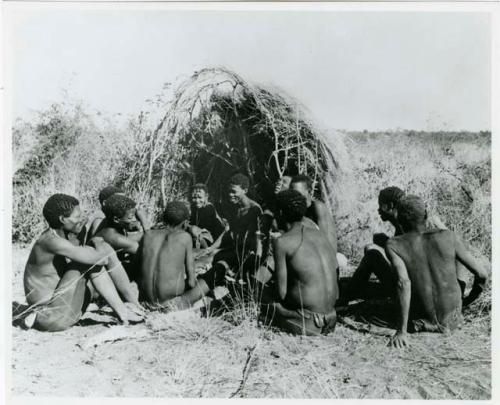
217 125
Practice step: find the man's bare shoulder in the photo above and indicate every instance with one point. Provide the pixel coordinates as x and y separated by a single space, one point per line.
254 205
439 234
153 234
289 240
182 236
106 230
48 240
50 243
395 241
434 231
167 234
283 241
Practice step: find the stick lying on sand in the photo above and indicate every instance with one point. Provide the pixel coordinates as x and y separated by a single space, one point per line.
114 334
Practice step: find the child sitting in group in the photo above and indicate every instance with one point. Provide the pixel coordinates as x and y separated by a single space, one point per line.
205 225
98 216
119 229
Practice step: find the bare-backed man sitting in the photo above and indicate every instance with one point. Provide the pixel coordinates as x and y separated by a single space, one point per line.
306 285
428 291
375 260
166 257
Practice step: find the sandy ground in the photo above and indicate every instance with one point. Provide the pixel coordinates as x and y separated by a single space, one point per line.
184 355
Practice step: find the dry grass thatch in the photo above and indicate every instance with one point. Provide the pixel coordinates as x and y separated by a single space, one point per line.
219 124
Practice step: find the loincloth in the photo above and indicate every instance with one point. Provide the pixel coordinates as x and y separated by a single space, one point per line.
451 322
300 321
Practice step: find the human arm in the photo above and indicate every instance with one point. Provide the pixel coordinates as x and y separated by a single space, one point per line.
399 340
280 268
141 216
480 274
94 226
81 254
129 244
220 239
326 223
189 260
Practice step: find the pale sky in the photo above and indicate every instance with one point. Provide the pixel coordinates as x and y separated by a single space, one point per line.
352 70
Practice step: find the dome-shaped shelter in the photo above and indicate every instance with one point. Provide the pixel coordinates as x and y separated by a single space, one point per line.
217 125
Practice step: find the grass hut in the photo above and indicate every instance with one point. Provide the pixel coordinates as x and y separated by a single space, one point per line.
219 124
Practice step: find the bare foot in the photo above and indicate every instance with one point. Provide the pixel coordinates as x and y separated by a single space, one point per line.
137 308
131 318
29 321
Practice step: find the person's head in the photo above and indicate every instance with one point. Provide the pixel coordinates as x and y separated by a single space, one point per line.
388 198
282 184
291 206
120 210
107 192
237 188
412 212
63 211
176 213
199 195
303 185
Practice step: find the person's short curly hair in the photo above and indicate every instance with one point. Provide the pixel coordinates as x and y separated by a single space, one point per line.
117 206
411 211
239 180
390 195
302 178
199 186
292 204
107 192
175 212
58 205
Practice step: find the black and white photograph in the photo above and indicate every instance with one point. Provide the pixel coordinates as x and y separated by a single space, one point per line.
219 200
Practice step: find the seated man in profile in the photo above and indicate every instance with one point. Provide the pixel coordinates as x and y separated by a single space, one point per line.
61 277
166 258
424 261
306 285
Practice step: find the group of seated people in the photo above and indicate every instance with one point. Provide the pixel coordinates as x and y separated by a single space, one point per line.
285 257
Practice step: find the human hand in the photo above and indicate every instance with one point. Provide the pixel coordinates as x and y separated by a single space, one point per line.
191 282
97 240
380 239
274 235
399 340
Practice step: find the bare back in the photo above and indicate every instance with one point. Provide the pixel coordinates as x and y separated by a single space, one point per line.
430 259
163 264
311 283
